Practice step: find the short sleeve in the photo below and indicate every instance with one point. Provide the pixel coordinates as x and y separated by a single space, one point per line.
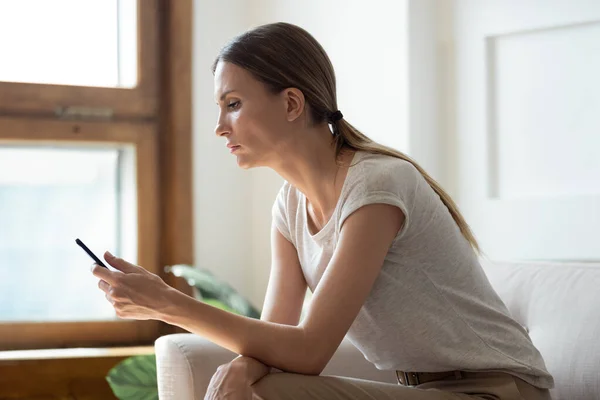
280 214
382 184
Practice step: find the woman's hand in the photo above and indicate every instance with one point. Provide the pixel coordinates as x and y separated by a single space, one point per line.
233 381
134 292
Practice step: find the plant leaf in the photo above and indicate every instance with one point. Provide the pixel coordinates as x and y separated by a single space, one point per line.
134 378
212 288
218 304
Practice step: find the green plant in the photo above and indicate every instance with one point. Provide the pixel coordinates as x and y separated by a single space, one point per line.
212 288
135 377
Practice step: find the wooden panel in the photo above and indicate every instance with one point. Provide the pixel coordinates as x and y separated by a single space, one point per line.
61 376
148 202
14 130
177 241
141 101
28 335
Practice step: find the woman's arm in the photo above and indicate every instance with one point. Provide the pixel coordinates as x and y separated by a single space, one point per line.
364 241
287 287
284 297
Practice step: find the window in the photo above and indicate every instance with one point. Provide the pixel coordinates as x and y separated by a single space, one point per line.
96 180
48 197
87 43
85 145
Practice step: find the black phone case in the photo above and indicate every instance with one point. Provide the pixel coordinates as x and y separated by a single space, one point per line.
96 259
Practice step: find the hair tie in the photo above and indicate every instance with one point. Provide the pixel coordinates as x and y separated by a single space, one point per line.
335 116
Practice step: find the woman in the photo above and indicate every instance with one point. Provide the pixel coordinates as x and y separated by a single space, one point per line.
391 262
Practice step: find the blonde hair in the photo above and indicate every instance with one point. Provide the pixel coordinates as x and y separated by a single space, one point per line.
282 55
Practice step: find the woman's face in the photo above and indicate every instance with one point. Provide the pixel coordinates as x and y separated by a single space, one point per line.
250 116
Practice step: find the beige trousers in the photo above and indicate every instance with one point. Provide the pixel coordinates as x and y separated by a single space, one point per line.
480 385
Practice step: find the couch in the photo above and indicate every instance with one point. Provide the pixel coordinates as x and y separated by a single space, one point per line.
558 303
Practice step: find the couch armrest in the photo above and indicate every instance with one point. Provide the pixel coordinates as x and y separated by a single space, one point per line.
185 363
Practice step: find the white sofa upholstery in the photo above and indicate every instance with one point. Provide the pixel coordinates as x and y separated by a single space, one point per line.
558 303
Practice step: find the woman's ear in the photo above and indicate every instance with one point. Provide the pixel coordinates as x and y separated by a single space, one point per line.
294 101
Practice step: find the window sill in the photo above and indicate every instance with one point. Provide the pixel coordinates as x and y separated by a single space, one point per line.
80 352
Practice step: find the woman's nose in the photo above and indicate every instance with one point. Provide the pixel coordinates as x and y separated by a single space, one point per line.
221 128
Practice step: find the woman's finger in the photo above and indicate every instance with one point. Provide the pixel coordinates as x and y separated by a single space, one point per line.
104 274
215 385
110 299
103 285
120 264
211 392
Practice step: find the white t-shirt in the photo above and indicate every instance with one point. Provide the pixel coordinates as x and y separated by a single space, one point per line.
432 307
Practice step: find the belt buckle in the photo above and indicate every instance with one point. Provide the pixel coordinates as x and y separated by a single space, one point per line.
415 375
407 378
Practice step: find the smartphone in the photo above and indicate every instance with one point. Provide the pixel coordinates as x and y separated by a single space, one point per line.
96 259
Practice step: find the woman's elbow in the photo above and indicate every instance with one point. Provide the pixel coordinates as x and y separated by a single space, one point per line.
308 363
316 362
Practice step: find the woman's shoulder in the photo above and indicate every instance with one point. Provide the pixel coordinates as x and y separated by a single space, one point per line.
376 169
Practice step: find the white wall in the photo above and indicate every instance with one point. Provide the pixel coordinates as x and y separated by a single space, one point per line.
446 99
527 123
222 213
367 43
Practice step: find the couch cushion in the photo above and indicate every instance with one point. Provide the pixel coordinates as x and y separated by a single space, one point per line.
559 303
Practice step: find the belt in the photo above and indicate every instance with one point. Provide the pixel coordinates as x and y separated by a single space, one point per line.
417 378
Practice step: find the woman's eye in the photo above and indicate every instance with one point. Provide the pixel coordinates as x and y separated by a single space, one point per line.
233 106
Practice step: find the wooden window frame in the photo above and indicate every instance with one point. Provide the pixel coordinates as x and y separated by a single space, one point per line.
155 117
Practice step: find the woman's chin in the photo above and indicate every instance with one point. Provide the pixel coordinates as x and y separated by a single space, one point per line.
246 162
243 162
